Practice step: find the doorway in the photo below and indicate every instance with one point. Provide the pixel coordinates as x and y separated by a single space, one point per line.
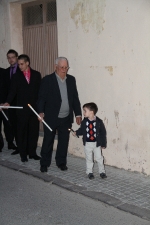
40 34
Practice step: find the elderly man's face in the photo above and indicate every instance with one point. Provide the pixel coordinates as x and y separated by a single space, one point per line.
62 68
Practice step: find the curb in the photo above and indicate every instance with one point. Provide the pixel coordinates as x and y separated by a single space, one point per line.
99 196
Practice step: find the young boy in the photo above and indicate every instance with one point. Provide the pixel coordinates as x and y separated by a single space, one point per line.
94 138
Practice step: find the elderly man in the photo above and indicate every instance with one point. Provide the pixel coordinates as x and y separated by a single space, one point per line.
58 99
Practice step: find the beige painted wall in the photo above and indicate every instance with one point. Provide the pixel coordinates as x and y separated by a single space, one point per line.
11 28
108 45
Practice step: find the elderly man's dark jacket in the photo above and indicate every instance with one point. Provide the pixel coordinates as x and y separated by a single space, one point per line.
49 101
100 132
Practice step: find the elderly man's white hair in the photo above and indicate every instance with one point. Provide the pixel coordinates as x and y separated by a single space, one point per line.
61 58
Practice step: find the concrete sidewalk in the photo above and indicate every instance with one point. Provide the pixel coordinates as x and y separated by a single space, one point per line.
122 189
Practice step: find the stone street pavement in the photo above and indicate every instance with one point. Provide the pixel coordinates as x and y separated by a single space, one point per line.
125 190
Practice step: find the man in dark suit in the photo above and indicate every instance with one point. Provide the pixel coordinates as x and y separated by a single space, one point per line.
25 85
12 57
58 99
7 128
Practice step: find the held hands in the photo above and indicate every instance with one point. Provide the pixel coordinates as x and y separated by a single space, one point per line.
73 133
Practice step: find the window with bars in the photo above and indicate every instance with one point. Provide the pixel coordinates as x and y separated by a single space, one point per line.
34 14
51 14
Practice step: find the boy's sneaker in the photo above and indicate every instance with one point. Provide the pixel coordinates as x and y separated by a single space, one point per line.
103 175
90 176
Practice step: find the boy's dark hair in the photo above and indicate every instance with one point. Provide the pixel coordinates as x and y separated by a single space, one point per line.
91 106
24 57
12 51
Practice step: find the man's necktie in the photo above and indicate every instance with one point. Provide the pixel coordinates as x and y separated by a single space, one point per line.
27 77
11 71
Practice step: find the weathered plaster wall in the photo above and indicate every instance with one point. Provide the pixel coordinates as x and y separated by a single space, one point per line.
5 32
11 28
15 13
108 45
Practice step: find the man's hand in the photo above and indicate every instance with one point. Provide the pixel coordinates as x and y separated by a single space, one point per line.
5 104
1 105
78 120
42 116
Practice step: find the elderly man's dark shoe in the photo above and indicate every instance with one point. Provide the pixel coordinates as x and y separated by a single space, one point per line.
62 167
24 159
43 169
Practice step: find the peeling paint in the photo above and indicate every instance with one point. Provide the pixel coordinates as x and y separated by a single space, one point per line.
106 121
90 14
110 69
116 117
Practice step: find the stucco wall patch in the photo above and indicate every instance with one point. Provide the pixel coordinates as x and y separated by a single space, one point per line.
90 14
110 69
116 117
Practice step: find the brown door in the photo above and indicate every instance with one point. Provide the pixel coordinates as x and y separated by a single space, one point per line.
40 34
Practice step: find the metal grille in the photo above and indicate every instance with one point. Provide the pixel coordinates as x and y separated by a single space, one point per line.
33 15
51 14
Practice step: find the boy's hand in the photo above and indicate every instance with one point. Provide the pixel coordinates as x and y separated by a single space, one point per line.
103 147
73 133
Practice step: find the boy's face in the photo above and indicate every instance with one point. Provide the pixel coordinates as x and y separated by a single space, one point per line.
87 113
